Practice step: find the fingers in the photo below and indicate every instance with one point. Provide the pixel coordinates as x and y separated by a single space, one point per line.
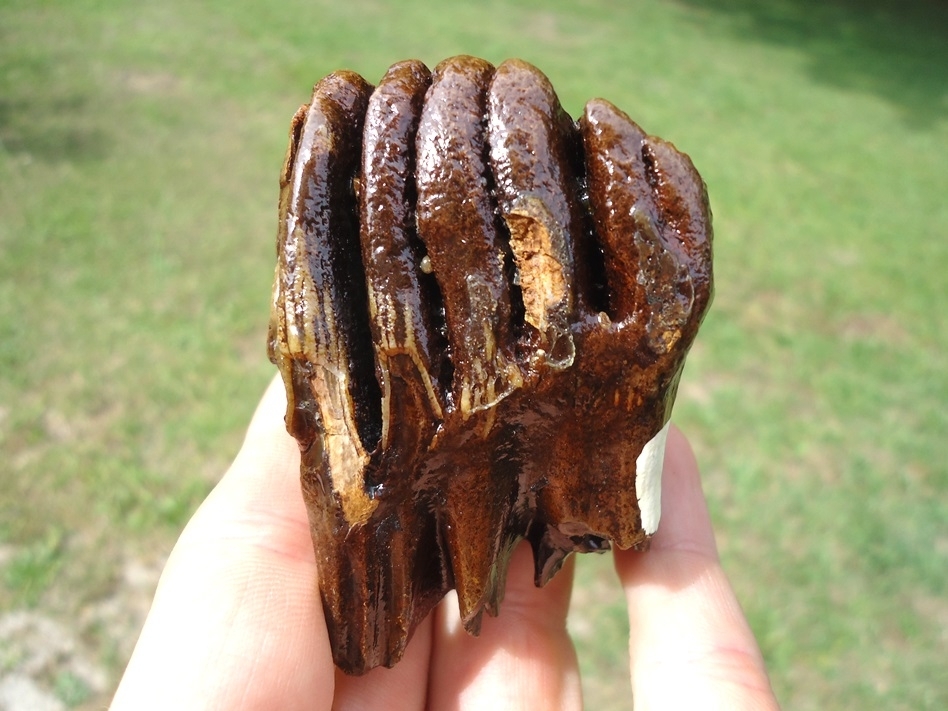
522 659
690 645
236 622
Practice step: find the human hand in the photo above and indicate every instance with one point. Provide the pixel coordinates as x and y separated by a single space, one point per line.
237 622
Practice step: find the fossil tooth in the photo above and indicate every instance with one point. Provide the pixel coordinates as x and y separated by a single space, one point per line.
481 311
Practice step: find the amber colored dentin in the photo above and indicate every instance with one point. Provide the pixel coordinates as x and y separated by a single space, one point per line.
481 311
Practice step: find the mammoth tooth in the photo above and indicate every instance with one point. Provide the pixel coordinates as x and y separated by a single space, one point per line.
481 312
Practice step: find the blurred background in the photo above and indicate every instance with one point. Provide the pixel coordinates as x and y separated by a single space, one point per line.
140 145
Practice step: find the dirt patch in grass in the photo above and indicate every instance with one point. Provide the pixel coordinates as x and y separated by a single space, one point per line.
54 657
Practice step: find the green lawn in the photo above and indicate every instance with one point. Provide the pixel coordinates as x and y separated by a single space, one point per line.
139 150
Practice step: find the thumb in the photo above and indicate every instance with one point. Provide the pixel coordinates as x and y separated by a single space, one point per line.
236 622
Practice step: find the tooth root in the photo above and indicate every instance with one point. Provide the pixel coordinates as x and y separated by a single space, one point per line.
602 467
370 577
464 249
478 539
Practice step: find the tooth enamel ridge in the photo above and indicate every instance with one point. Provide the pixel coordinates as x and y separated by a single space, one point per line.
481 312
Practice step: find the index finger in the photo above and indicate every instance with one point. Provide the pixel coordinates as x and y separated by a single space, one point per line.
690 644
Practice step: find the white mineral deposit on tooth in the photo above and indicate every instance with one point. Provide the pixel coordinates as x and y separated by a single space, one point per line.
648 480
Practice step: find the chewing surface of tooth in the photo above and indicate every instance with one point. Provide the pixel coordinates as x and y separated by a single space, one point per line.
481 310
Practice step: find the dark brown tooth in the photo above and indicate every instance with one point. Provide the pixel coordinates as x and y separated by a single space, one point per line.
620 199
682 200
530 138
301 407
653 219
456 223
481 313
407 346
383 572
323 331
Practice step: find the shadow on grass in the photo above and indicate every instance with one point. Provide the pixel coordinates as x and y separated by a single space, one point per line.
48 107
895 50
50 129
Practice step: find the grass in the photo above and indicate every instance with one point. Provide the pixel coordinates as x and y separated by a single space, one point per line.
34 567
139 148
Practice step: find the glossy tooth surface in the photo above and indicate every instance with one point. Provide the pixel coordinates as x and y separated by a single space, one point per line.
481 311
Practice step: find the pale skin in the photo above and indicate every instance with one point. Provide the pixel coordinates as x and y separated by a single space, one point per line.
236 622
